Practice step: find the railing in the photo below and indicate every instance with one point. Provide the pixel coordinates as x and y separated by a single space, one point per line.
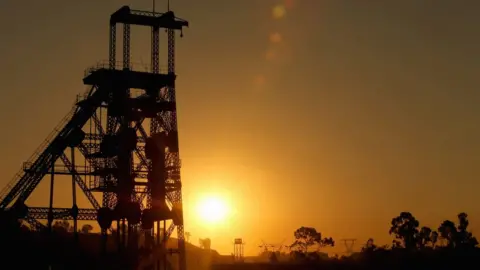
152 14
52 135
79 169
145 13
10 185
119 66
37 153
83 96
93 183
134 93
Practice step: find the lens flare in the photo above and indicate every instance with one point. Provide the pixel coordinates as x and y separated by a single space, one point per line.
271 55
213 209
289 4
279 11
259 80
276 37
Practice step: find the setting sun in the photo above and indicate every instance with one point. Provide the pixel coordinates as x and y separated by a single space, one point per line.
212 209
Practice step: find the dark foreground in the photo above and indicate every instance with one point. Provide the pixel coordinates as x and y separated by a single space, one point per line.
442 258
25 249
30 250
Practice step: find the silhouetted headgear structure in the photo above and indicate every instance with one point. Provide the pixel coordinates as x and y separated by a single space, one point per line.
124 128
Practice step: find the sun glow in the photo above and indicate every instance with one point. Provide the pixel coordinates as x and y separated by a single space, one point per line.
213 209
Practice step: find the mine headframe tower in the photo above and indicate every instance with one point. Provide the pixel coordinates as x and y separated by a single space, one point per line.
125 128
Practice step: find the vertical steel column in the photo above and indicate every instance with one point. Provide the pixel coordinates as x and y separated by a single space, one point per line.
154 123
174 157
50 206
125 159
107 198
155 63
126 46
113 45
74 196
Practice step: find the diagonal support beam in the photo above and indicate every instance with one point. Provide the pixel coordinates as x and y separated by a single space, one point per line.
169 232
62 213
80 182
35 223
98 124
138 151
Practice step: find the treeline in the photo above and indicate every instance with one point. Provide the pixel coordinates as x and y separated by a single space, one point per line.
409 235
450 246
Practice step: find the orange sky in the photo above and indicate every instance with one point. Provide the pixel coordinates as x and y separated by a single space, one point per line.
334 114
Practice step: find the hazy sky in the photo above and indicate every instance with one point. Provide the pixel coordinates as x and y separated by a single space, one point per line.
338 115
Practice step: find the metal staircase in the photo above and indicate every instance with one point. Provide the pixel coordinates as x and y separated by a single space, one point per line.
25 181
40 149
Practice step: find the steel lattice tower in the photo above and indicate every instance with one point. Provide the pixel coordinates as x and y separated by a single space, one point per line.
125 129
349 244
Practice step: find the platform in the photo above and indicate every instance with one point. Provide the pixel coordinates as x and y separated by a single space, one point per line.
127 77
147 18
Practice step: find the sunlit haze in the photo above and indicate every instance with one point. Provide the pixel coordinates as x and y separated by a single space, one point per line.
335 114
212 210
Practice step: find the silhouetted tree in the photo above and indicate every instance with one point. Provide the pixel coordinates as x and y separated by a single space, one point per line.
463 222
396 244
458 237
448 231
327 242
61 226
306 237
465 238
405 228
369 246
424 237
297 255
87 228
434 238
